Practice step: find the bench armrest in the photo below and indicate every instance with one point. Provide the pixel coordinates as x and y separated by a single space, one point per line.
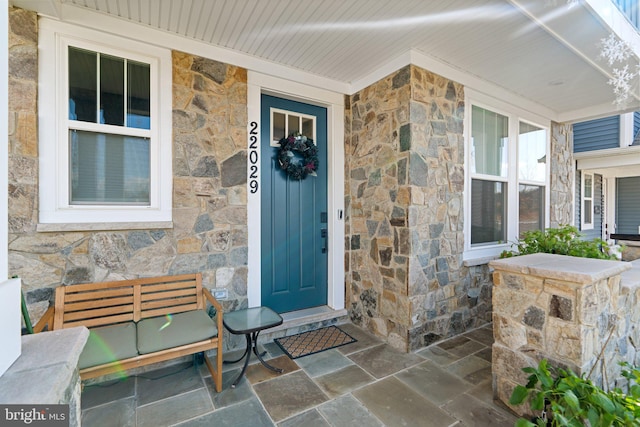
214 302
45 320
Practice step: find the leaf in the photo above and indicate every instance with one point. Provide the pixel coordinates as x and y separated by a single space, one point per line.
561 419
546 380
537 402
593 417
571 399
606 420
524 423
604 402
519 394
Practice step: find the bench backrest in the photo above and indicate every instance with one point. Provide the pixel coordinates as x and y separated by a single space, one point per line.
99 304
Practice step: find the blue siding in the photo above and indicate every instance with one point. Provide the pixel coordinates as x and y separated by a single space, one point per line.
631 10
596 134
628 205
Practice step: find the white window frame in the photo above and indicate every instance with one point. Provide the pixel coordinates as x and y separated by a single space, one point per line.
480 253
533 182
55 211
275 143
583 224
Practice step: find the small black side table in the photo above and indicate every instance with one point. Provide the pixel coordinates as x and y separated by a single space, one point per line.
250 322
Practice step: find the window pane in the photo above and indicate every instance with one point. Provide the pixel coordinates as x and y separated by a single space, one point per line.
532 153
82 85
109 169
139 99
307 128
489 134
278 121
588 212
294 124
111 90
488 211
531 215
588 185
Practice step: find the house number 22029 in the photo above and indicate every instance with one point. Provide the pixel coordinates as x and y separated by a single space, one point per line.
253 157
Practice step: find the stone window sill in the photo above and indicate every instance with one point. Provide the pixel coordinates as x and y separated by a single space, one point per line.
90 226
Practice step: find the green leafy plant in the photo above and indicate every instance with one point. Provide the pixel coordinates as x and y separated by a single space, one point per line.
565 240
565 399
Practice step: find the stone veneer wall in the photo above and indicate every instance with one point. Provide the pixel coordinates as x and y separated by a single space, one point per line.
562 175
209 233
577 313
405 157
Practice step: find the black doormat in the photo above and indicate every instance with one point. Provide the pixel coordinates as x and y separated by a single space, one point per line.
312 342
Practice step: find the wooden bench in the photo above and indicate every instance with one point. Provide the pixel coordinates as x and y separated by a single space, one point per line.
138 322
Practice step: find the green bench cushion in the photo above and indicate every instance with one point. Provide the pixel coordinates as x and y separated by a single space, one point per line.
163 332
108 344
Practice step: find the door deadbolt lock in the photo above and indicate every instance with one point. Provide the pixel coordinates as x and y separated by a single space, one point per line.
324 235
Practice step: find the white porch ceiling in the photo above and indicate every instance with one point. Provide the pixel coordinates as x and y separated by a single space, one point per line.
542 51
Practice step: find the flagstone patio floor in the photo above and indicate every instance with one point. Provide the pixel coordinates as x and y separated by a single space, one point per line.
366 383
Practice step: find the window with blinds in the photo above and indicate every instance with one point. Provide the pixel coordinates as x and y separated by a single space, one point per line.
109 129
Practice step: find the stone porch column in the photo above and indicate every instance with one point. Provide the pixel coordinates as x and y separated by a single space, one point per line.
561 308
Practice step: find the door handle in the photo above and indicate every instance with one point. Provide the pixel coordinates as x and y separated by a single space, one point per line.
325 236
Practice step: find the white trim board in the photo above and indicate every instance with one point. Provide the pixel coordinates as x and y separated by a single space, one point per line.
259 84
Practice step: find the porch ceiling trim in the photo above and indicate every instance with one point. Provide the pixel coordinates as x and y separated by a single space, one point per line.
609 158
547 64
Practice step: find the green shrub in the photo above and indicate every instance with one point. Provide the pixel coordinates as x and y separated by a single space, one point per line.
565 240
575 401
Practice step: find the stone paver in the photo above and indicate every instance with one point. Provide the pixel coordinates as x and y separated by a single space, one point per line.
120 413
167 382
366 383
473 412
99 394
472 368
433 382
347 411
344 380
310 418
384 360
288 395
323 363
396 404
246 414
175 409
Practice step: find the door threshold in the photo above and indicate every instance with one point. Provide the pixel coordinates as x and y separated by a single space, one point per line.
297 318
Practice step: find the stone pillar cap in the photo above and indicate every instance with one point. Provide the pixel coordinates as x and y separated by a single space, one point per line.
561 267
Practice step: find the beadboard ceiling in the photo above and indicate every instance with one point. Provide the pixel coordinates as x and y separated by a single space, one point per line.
544 51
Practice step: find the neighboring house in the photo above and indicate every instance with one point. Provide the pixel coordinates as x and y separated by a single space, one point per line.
607 153
142 141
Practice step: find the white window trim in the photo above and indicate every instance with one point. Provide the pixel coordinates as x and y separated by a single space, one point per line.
516 115
586 225
272 110
626 129
55 209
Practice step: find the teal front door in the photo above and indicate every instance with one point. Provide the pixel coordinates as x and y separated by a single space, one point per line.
294 234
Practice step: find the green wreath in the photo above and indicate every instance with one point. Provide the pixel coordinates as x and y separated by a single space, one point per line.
297 143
